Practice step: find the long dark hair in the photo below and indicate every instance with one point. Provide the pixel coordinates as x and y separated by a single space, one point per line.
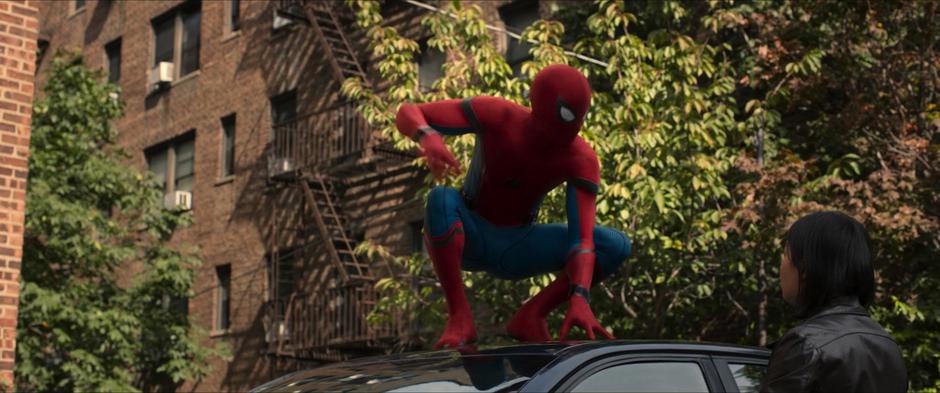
830 250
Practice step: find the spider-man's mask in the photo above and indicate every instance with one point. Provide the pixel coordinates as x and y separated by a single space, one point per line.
560 97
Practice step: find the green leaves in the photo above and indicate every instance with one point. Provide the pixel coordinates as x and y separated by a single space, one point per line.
89 215
838 97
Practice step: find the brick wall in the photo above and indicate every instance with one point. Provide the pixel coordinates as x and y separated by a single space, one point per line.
19 29
237 219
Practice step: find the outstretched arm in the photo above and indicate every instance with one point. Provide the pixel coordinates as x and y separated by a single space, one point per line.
424 123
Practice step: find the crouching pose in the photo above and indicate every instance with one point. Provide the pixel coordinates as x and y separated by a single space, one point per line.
520 155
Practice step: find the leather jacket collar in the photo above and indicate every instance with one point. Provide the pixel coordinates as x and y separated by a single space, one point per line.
841 305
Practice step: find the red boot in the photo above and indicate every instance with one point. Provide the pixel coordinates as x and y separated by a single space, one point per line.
528 325
446 252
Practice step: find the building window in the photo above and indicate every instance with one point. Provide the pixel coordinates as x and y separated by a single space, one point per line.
223 314
281 280
113 51
42 47
283 108
164 39
173 161
430 67
283 114
417 238
176 38
228 145
234 14
185 156
177 304
157 162
517 17
189 56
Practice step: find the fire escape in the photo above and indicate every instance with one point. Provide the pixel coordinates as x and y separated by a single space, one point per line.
318 154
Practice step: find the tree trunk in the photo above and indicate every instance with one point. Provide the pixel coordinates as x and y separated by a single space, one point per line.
762 305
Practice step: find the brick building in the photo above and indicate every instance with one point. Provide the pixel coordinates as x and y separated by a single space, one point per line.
236 106
18 31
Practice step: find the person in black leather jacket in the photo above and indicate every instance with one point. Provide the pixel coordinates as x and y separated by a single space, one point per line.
827 274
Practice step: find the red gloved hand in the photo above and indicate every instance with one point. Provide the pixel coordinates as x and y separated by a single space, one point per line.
440 159
580 315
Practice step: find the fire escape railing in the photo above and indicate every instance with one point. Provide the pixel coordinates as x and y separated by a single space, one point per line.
293 8
317 140
314 150
331 318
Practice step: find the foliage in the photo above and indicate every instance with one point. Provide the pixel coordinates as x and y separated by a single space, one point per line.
717 124
86 321
847 95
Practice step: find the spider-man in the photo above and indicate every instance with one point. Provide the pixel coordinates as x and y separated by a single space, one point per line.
520 155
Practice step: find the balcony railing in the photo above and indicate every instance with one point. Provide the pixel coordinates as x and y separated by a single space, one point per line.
290 8
332 319
318 139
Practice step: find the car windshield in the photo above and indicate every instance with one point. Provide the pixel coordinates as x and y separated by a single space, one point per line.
487 371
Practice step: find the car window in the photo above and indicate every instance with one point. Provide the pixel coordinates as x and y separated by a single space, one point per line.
747 376
646 377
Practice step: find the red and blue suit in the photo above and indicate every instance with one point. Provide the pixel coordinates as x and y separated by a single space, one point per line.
520 155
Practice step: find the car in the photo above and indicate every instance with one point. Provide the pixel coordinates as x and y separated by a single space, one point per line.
594 366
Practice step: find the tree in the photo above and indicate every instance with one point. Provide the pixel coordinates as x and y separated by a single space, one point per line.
845 93
717 125
662 123
81 327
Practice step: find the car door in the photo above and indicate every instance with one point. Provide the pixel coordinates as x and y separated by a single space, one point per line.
645 373
740 374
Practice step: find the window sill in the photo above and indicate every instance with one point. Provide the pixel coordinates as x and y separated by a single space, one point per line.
184 79
220 333
224 180
231 36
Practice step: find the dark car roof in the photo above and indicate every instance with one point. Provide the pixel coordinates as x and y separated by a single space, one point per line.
665 345
486 368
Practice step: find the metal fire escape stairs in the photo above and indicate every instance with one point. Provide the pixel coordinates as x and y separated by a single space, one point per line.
341 55
321 192
321 16
331 223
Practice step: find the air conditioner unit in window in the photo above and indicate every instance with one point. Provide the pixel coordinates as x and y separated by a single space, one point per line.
277 332
280 165
287 14
280 21
179 200
161 75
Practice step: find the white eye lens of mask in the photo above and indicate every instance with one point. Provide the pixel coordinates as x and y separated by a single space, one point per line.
566 114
